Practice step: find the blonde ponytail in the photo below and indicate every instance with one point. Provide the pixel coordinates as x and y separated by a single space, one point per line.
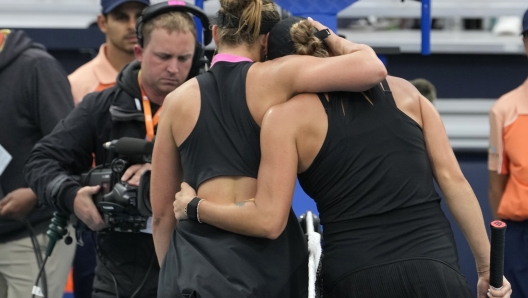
251 17
249 14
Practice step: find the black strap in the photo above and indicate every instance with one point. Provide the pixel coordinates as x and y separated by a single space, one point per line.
192 209
324 101
388 92
385 85
322 34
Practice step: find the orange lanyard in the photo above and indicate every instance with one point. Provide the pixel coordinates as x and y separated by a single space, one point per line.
150 122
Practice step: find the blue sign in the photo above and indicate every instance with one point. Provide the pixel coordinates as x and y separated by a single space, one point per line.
322 11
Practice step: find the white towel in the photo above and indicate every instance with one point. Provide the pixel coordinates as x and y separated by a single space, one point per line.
314 250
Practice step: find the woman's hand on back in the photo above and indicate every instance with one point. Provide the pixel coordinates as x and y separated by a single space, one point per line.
182 198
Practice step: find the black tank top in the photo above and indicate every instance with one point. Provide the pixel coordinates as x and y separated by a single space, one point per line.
373 185
226 138
226 142
372 150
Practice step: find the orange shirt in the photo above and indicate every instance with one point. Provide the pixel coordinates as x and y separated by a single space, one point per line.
508 151
95 75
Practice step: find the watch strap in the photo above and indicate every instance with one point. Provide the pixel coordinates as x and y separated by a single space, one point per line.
192 208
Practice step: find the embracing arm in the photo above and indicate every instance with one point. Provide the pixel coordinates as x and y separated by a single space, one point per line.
267 215
353 67
165 182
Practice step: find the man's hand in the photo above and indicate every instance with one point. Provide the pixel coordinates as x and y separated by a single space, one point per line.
134 172
182 198
18 203
84 208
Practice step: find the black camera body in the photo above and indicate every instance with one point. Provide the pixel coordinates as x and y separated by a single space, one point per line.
124 207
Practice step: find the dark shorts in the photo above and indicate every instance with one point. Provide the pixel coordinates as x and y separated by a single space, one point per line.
419 278
211 262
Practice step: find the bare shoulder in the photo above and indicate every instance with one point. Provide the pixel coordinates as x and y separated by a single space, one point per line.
407 97
299 106
266 75
183 96
182 109
402 86
295 113
281 70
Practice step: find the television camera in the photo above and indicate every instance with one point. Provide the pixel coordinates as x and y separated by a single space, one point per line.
124 207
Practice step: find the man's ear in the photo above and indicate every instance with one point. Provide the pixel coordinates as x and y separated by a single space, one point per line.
101 23
138 52
525 40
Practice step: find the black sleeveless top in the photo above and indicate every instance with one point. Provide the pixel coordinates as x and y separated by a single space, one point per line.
226 138
372 150
213 262
373 185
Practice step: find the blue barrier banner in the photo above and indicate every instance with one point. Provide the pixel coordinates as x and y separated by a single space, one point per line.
322 11
302 202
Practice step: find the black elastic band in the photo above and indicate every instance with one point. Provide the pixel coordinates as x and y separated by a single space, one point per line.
227 21
231 22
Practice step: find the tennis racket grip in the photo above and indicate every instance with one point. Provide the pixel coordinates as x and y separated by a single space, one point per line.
498 233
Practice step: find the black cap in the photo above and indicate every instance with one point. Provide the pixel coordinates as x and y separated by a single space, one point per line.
108 5
279 41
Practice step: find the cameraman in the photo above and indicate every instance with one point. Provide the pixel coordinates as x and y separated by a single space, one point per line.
126 262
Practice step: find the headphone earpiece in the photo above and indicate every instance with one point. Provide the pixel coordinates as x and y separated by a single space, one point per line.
199 59
198 62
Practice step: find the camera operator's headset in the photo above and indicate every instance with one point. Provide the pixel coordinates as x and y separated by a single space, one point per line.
199 61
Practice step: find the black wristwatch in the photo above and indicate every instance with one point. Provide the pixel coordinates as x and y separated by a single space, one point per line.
192 209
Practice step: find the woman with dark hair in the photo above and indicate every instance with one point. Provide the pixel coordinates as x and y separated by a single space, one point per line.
208 135
368 159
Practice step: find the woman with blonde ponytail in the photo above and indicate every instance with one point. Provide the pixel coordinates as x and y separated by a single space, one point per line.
208 136
368 159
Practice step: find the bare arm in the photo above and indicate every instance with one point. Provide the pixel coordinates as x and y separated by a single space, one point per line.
353 67
497 184
266 216
460 198
165 180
